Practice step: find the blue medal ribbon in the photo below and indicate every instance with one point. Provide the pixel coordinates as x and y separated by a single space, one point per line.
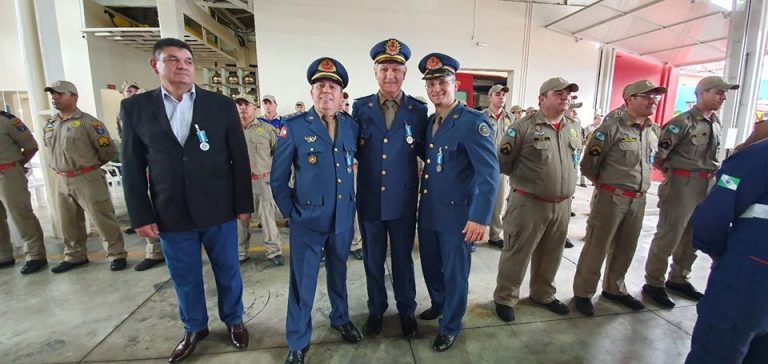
439 167
348 156
408 134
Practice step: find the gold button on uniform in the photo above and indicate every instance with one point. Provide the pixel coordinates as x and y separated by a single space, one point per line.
335 149
426 176
386 140
339 197
383 188
428 161
431 146
337 165
424 191
383 173
383 156
338 180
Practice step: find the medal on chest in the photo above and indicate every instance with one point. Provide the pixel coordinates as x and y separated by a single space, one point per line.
202 137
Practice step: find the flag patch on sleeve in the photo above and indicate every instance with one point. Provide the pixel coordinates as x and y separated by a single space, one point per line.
729 182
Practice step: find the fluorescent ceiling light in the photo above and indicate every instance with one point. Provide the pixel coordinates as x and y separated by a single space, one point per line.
724 4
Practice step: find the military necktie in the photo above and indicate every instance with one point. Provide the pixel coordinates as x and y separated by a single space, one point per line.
389 112
330 124
436 125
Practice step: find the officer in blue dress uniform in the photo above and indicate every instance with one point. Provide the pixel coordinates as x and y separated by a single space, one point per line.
319 145
458 192
729 226
392 128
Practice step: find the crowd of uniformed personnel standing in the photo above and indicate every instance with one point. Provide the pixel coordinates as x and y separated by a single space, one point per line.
453 176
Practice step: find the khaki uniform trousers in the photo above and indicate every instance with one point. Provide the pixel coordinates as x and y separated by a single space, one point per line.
265 208
83 194
153 250
15 203
678 198
535 232
613 229
496 231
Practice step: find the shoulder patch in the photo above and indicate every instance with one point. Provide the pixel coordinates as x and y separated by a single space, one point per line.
484 129
103 141
283 132
599 135
665 144
511 132
595 150
672 128
729 182
19 125
506 149
99 128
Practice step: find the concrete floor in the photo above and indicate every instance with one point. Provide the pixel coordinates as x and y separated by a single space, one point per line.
94 315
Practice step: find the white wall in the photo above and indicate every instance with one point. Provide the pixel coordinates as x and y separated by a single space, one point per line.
292 33
11 62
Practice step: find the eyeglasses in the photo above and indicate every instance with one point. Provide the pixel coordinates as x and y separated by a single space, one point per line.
654 97
174 61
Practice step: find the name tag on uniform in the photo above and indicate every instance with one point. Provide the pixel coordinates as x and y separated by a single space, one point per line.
545 139
628 140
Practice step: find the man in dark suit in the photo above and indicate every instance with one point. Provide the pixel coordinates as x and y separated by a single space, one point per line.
186 177
318 147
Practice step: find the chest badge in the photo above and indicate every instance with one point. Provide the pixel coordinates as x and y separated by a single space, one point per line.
310 138
312 159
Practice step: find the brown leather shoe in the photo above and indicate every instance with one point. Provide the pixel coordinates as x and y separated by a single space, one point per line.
238 336
187 345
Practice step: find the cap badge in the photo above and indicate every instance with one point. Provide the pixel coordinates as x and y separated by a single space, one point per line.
392 47
327 66
434 63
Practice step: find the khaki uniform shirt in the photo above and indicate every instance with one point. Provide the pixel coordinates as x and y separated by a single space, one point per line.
261 139
539 159
621 154
14 136
78 142
690 141
502 123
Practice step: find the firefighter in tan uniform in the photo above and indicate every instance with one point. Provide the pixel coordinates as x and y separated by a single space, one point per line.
261 138
618 161
17 147
501 120
687 155
540 154
79 144
153 253
516 112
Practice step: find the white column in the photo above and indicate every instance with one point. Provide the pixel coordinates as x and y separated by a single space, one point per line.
171 19
605 79
743 65
33 68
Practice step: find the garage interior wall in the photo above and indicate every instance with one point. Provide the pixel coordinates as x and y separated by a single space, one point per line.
292 33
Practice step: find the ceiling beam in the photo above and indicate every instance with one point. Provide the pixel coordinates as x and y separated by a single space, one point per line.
704 43
619 16
662 27
573 13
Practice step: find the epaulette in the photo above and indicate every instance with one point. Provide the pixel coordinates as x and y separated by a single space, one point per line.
294 116
424 102
7 115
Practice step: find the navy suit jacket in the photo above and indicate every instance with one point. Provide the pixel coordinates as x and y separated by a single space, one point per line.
323 199
183 187
465 189
387 180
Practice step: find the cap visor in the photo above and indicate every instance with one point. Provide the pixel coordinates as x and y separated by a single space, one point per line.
328 76
387 58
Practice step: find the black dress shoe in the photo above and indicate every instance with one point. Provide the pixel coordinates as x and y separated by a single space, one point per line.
187 345
117 264
555 306
430 314
296 357
349 332
443 342
277 260
685 289
626 300
8 264
497 243
408 325
358 254
568 243
505 313
373 325
584 305
659 295
32 266
148 263
238 336
65 266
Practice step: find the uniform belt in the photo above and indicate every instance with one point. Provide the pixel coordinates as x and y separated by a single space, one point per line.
539 198
697 174
757 211
256 176
78 172
625 193
7 166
